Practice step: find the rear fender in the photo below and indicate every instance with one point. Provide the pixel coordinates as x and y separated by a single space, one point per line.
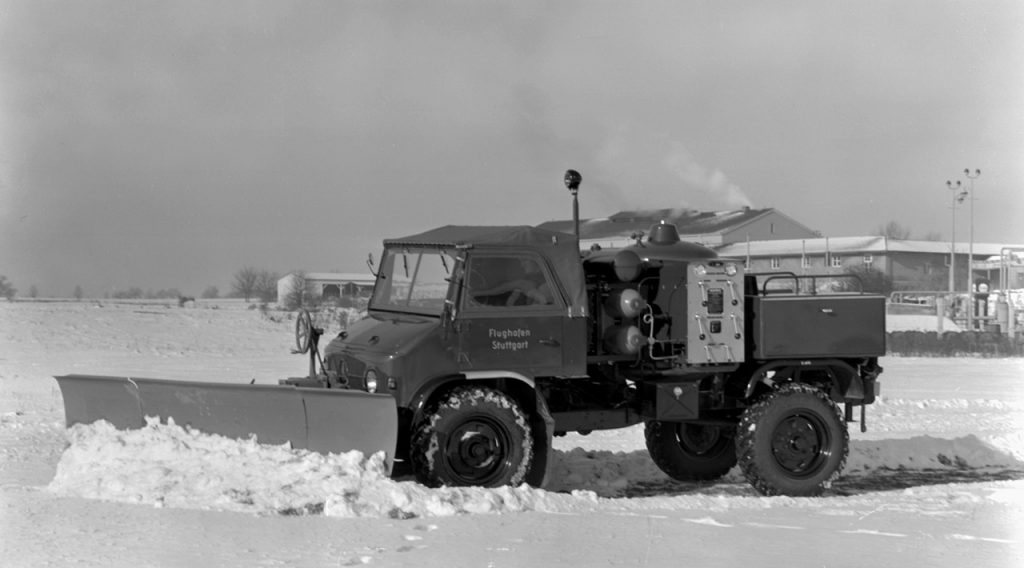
843 381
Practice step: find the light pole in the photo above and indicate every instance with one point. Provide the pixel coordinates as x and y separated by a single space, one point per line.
970 252
958 197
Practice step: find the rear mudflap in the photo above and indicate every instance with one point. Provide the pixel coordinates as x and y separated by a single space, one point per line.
320 420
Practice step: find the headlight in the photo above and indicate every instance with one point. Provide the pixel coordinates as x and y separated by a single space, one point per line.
730 269
371 381
700 270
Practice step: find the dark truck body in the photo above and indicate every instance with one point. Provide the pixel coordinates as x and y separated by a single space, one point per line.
662 332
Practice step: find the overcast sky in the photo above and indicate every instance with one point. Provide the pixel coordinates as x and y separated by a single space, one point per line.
168 144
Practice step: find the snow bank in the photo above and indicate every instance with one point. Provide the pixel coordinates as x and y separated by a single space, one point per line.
166 465
926 452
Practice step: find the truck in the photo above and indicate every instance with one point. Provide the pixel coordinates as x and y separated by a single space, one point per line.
481 344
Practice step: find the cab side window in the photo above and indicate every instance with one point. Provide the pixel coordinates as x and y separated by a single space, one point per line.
507 281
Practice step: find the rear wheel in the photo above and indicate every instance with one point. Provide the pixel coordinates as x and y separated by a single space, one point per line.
472 436
691 452
793 442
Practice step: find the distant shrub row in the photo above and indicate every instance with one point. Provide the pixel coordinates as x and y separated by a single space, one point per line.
952 344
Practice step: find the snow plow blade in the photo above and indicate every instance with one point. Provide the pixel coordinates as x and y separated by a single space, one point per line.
319 420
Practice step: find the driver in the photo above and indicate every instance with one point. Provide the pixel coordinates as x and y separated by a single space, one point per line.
529 287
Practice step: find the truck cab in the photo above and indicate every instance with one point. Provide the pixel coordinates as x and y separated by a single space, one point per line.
467 300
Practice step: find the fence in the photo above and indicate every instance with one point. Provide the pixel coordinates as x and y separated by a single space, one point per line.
953 344
1000 312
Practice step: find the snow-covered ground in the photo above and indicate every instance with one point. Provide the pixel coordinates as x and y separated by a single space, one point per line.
937 480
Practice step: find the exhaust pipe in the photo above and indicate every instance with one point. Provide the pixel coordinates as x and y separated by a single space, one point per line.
572 183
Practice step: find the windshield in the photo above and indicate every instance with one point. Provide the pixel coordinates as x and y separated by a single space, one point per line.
413 280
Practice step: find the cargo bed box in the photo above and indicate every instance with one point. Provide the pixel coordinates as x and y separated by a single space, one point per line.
835 325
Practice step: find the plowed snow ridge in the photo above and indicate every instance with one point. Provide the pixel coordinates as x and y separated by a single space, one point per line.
166 465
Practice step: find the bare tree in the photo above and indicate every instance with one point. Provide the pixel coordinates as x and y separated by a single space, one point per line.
246 282
893 230
300 294
873 279
266 285
132 293
7 290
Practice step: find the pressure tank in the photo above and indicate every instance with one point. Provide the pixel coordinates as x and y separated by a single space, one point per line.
625 303
624 339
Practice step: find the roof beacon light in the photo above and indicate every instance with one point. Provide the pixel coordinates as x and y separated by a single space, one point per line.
664 234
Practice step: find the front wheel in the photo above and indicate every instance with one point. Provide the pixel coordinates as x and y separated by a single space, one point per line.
792 442
691 452
472 436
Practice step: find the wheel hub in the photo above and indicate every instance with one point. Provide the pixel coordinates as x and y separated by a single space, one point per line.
476 451
699 440
798 445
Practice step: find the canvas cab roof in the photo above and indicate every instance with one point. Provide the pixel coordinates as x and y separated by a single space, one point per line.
560 249
471 235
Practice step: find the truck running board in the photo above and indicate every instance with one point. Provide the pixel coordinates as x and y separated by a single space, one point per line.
319 420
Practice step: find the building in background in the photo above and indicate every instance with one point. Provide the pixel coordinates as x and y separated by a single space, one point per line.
709 228
325 285
912 265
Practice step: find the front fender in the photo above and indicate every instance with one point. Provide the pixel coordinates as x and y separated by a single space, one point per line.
523 389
